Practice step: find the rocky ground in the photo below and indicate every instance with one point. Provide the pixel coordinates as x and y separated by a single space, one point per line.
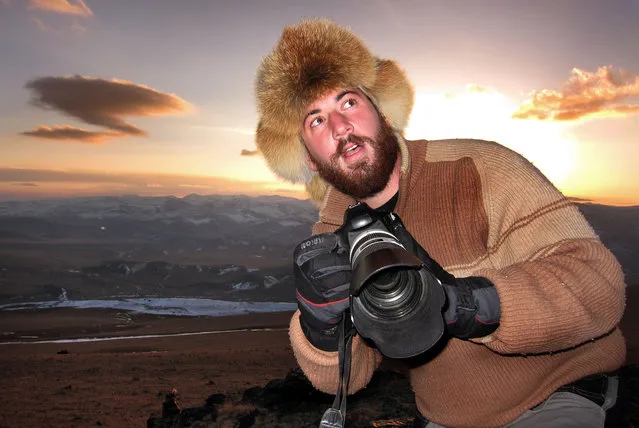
386 402
291 401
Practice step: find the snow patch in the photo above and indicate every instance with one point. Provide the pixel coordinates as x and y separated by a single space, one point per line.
242 217
199 221
269 211
232 268
162 306
244 286
269 281
290 223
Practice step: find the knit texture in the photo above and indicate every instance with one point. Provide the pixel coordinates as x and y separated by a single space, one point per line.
481 209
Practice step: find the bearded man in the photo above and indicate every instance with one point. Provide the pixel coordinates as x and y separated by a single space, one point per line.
533 298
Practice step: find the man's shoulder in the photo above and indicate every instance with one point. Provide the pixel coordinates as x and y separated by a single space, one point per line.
471 146
482 152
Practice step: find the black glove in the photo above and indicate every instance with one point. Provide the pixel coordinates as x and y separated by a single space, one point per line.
322 272
472 304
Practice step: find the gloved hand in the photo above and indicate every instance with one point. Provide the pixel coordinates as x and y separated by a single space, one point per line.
472 304
322 273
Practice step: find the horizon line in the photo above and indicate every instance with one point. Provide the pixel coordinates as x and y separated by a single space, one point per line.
301 195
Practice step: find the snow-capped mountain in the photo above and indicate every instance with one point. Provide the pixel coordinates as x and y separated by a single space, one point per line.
227 247
191 224
148 208
234 248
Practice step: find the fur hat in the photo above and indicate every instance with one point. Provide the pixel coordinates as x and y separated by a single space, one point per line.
311 59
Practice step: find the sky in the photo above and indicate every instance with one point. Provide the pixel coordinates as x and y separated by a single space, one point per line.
156 97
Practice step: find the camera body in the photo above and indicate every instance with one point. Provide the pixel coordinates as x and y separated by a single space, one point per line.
395 301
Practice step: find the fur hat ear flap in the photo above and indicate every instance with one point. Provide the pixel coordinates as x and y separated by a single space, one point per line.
284 153
316 190
394 96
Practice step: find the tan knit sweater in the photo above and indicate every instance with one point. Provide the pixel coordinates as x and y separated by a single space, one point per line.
481 209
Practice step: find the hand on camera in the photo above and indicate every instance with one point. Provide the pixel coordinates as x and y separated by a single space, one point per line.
472 304
322 272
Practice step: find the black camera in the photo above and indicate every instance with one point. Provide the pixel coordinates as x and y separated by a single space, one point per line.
396 302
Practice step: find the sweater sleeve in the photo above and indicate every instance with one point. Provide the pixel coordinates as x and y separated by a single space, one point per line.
321 367
558 285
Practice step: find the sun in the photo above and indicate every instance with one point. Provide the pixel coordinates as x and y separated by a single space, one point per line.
483 113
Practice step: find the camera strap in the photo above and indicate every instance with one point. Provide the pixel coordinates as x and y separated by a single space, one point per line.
335 417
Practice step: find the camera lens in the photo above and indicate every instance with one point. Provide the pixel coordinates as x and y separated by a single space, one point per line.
392 293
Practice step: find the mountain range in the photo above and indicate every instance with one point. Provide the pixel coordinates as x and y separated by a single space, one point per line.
219 247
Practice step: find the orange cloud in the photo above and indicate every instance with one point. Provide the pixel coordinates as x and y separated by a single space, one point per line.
78 7
100 102
76 27
586 94
70 133
246 152
23 184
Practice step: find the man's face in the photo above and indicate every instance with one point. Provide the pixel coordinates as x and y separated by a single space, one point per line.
349 144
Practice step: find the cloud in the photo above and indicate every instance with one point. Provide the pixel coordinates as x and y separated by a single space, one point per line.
5 2
603 93
101 102
48 175
24 184
78 28
66 7
582 200
471 88
42 26
76 9
246 152
69 133
475 88
196 186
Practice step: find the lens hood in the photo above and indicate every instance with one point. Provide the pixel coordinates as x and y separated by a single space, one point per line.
410 334
382 259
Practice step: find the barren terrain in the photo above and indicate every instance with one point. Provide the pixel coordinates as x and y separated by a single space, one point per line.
235 249
122 383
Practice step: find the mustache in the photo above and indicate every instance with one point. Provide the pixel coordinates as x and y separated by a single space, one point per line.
354 139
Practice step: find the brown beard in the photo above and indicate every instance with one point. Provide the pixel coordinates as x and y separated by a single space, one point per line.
370 176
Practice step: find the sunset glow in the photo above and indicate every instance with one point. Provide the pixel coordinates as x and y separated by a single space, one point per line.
100 98
485 114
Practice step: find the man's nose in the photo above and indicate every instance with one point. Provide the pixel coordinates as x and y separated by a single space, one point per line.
340 125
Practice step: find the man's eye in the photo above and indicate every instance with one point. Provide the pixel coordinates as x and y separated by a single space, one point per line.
350 103
315 122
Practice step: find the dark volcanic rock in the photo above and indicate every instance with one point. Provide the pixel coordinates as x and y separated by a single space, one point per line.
387 401
215 399
294 390
294 402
